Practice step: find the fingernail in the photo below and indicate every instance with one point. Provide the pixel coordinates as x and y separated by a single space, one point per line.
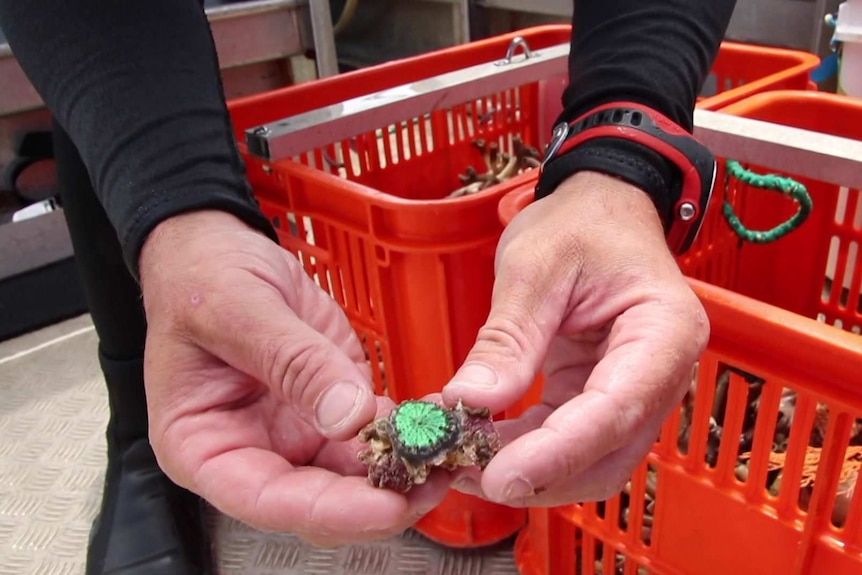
467 485
518 488
476 374
337 405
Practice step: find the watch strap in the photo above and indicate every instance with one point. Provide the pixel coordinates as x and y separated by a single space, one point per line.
681 200
629 161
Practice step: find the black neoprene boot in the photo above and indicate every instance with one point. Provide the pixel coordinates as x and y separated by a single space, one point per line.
147 524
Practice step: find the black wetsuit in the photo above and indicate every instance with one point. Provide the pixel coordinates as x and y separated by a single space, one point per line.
135 84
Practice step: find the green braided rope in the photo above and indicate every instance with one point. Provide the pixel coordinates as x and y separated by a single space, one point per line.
786 186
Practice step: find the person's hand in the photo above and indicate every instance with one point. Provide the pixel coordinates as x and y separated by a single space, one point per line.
257 387
587 291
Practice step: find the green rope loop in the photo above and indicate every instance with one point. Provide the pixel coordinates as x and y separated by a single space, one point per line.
787 186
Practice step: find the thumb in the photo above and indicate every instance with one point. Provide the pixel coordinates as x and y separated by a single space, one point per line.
255 331
510 347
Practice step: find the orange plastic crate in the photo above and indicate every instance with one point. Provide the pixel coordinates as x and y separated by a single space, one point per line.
413 271
743 70
701 504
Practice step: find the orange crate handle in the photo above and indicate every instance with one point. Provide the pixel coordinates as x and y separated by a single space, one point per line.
786 186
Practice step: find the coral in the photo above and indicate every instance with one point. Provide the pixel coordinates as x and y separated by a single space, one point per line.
417 436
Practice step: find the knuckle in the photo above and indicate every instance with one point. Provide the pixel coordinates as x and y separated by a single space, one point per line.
296 366
617 482
701 326
629 415
636 419
569 466
694 323
505 333
274 358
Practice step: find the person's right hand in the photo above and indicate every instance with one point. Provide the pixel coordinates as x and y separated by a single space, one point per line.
257 387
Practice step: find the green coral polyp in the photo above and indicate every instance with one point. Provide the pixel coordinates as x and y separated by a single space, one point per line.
423 430
418 436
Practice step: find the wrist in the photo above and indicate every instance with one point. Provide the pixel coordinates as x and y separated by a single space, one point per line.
626 161
608 204
185 236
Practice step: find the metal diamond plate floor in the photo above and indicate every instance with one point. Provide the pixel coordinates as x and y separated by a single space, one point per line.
53 411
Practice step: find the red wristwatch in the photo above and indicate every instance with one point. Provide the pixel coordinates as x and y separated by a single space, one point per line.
650 129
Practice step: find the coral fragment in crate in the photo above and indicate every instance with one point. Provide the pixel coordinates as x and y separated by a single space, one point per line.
499 165
418 436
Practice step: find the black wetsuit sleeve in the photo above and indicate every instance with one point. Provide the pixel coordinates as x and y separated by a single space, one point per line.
653 52
656 53
137 87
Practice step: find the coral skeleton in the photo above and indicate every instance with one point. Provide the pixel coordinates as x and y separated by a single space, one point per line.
418 436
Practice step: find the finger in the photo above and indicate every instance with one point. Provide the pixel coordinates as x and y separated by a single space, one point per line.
264 491
342 456
642 374
532 419
249 325
469 482
511 346
468 479
606 479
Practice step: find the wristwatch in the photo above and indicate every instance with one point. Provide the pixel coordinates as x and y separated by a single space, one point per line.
601 139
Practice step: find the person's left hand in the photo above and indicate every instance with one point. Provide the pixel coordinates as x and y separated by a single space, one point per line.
587 289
